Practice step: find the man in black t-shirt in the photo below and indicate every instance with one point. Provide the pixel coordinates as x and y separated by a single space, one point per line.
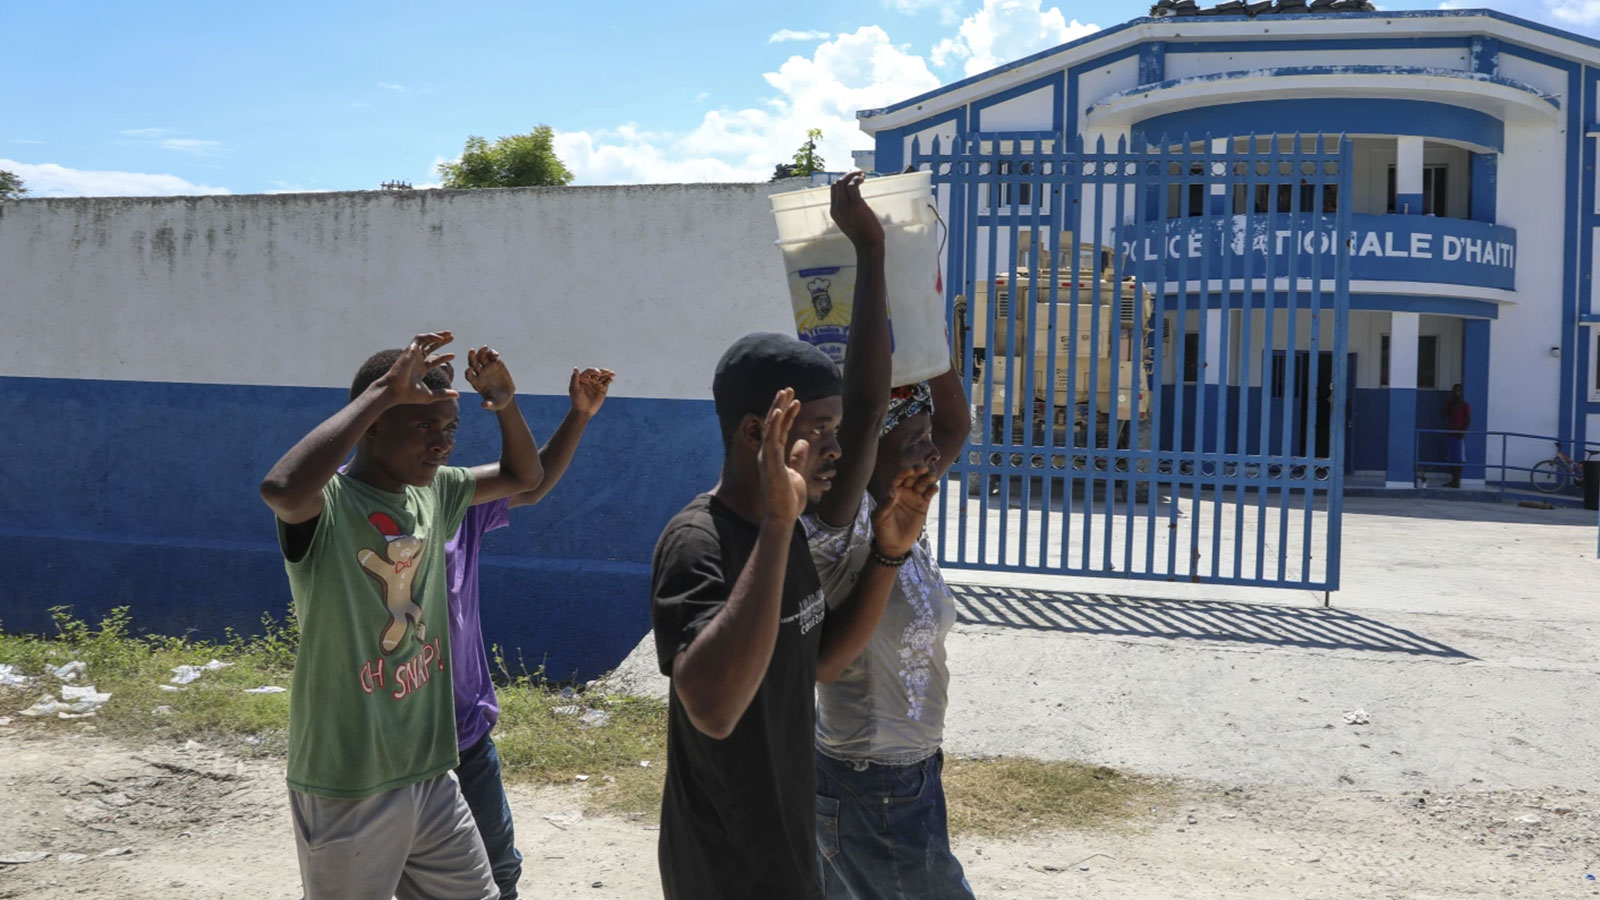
740 623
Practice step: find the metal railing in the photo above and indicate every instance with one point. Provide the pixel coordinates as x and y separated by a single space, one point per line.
1511 477
1079 269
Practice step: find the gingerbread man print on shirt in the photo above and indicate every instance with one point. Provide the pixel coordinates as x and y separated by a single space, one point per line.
395 569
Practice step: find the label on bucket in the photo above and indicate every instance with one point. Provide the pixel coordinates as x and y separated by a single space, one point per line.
822 298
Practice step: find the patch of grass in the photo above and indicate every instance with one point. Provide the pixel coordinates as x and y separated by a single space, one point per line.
133 667
1004 796
537 742
542 734
543 740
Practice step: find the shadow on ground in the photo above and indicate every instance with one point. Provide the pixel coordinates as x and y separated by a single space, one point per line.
1244 623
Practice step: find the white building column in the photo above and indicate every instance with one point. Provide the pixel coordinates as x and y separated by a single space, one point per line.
1401 471
1217 203
1408 176
1215 367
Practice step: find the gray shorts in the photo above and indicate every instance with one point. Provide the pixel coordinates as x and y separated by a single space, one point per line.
412 843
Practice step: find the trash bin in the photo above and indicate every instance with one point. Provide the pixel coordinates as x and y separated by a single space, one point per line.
1591 484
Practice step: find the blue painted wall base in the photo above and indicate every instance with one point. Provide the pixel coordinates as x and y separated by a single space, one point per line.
144 495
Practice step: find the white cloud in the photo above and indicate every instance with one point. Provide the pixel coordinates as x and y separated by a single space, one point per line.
946 8
158 137
51 180
702 96
855 71
430 177
1004 30
786 34
190 145
627 155
292 187
849 72
1575 12
400 88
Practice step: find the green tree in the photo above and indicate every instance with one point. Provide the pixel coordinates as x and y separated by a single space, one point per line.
806 160
11 187
518 160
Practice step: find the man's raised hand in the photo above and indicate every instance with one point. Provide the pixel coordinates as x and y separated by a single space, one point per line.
783 479
852 214
588 388
898 521
488 375
403 383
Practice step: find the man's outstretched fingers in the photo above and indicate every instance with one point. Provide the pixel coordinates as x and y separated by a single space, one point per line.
799 454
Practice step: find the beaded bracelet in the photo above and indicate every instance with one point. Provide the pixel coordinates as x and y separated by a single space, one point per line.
888 562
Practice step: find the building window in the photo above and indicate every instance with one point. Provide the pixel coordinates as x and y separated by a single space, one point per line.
1428 362
1282 198
1594 358
1191 357
1434 195
1013 195
1189 198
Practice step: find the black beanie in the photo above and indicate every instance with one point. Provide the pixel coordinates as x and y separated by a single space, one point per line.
760 365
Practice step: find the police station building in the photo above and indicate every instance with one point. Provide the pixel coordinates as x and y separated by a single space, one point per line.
1473 216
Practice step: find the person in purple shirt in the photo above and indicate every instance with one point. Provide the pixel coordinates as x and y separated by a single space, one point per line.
476 707
477 710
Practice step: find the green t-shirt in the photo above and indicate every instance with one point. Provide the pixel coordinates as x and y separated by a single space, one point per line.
371 706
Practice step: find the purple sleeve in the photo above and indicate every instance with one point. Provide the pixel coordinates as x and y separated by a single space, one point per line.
492 515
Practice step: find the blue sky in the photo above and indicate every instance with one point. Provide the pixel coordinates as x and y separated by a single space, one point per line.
178 98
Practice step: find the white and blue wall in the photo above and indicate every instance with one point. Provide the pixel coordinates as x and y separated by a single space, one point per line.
1509 108
158 356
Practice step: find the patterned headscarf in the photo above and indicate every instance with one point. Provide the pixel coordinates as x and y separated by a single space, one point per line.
905 402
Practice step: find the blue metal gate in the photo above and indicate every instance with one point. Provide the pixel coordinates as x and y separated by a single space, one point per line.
1154 341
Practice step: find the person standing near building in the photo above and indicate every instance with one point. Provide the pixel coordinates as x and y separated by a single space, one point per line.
1457 418
477 708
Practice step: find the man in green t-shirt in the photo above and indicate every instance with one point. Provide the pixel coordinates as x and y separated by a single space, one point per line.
372 738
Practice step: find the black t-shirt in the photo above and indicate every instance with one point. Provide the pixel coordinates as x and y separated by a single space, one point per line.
738 816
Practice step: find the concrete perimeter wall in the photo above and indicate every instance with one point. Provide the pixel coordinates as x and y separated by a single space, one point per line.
158 355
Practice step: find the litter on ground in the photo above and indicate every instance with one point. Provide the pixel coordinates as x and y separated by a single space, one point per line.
188 674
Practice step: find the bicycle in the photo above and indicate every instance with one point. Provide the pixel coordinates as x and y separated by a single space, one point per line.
1553 475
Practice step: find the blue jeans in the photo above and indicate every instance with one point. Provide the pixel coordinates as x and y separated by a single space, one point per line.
479 772
882 832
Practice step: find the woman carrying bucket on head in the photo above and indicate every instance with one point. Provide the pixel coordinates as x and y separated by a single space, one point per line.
882 829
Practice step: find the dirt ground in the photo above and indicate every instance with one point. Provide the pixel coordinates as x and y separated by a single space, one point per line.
163 822
1467 635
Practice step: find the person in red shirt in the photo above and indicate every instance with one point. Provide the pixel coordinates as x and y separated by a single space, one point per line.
1458 418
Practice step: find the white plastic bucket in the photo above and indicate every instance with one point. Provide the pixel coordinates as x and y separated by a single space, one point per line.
820 264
